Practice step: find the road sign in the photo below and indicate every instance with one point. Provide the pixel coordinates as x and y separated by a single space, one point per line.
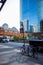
2 2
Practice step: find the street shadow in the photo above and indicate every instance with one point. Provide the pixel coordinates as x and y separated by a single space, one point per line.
21 59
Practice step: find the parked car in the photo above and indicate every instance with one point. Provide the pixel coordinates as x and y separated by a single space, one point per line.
5 39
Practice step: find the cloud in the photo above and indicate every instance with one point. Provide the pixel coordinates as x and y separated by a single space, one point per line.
10 13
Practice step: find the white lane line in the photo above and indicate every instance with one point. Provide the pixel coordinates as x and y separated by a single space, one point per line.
6 52
3 46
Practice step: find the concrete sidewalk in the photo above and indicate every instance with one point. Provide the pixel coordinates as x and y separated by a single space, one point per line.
15 58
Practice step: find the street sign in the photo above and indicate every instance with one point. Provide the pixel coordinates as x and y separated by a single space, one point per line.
2 2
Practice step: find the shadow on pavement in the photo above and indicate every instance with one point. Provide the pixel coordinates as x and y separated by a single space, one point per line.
21 59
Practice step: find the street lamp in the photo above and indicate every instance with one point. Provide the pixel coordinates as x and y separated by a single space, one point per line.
22 31
23 36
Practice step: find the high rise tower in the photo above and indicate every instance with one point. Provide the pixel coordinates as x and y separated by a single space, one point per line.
24 9
40 11
41 26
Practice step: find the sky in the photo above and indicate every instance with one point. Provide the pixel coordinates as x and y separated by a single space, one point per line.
10 14
29 11
16 10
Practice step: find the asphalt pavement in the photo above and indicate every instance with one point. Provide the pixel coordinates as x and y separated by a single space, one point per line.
10 55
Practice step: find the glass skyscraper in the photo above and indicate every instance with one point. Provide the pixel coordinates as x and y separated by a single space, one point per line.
32 10
40 11
24 9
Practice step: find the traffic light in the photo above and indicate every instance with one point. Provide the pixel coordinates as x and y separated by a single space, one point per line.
2 2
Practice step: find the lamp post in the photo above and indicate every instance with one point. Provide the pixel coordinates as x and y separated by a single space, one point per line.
23 36
22 30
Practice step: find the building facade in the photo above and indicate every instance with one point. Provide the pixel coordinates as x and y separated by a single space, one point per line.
40 11
41 26
5 26
21 27
24 8
26 25
33 28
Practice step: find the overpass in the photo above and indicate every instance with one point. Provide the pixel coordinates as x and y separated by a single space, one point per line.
8 33
18 34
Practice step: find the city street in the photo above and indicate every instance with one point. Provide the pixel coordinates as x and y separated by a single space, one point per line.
10 55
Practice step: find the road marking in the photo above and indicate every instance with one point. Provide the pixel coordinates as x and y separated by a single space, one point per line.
5 52
3 46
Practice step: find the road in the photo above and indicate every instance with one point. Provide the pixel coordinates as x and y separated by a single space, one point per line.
10 55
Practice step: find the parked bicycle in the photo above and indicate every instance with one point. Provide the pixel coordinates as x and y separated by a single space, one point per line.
30 50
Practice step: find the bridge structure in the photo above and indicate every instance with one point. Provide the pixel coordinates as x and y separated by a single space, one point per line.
8 33
18 34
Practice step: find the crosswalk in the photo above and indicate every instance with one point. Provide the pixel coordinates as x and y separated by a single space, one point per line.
3 46
4 49
7 49
10 55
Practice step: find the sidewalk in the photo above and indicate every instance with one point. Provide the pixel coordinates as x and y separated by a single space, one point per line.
15 58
